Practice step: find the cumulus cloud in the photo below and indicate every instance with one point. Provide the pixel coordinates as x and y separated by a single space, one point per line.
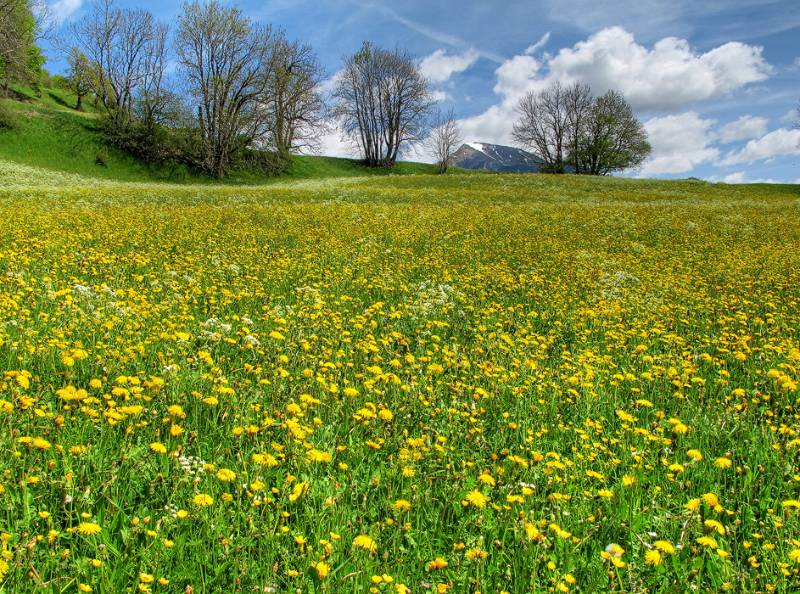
744 128
493 125
669 76
60 10
777 143
440 66
680 142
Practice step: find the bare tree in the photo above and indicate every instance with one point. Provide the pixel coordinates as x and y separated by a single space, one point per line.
612 139
444 139
382 101
543 125
569 128
79 75
223 59
119 42
293 100
578 100
152 96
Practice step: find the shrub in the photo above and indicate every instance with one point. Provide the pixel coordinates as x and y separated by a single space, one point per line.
7 117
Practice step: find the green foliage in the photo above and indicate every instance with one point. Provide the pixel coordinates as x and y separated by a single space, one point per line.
48 133
7 117
21 61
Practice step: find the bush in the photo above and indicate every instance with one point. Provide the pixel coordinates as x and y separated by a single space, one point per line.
151 144
101 158
266 162
7 117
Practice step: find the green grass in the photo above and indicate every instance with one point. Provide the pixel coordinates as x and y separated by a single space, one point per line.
496 378
49 133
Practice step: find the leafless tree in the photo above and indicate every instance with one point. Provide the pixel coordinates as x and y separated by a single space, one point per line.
571 129
120 43
382 100
293 100
578 100
223 56
543 125
444 139
152 96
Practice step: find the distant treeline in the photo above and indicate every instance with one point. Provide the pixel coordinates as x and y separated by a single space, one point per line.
243 92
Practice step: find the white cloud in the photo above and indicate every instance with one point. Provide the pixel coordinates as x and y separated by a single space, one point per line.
532 49
440 66
680 143
791 116
439 95
668 76
740 177
327 86
60 10
745 128
737 177
334 144
493 125
516 76
777 143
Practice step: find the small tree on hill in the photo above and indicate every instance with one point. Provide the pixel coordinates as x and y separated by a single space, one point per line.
611 139
224 61
543 126
382 101
119 43
568 128
292 98
20 59
79 76
444 139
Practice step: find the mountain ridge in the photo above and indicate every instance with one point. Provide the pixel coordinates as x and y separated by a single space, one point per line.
496 157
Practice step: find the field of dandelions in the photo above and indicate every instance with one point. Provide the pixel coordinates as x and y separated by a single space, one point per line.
463 384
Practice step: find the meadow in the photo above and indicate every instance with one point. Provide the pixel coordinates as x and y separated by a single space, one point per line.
467 383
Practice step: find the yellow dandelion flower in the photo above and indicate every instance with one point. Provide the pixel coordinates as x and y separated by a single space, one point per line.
202 500
477 499
88 528
362 541
158 448
322 569
723 463
653 557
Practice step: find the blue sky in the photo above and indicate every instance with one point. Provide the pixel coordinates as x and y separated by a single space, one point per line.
715 81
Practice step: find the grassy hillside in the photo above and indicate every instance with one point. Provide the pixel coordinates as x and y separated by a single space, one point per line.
49 133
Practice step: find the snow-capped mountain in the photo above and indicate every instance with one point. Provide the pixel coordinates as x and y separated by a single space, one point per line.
495 157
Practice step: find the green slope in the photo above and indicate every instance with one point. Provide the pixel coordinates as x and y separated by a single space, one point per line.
48 133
